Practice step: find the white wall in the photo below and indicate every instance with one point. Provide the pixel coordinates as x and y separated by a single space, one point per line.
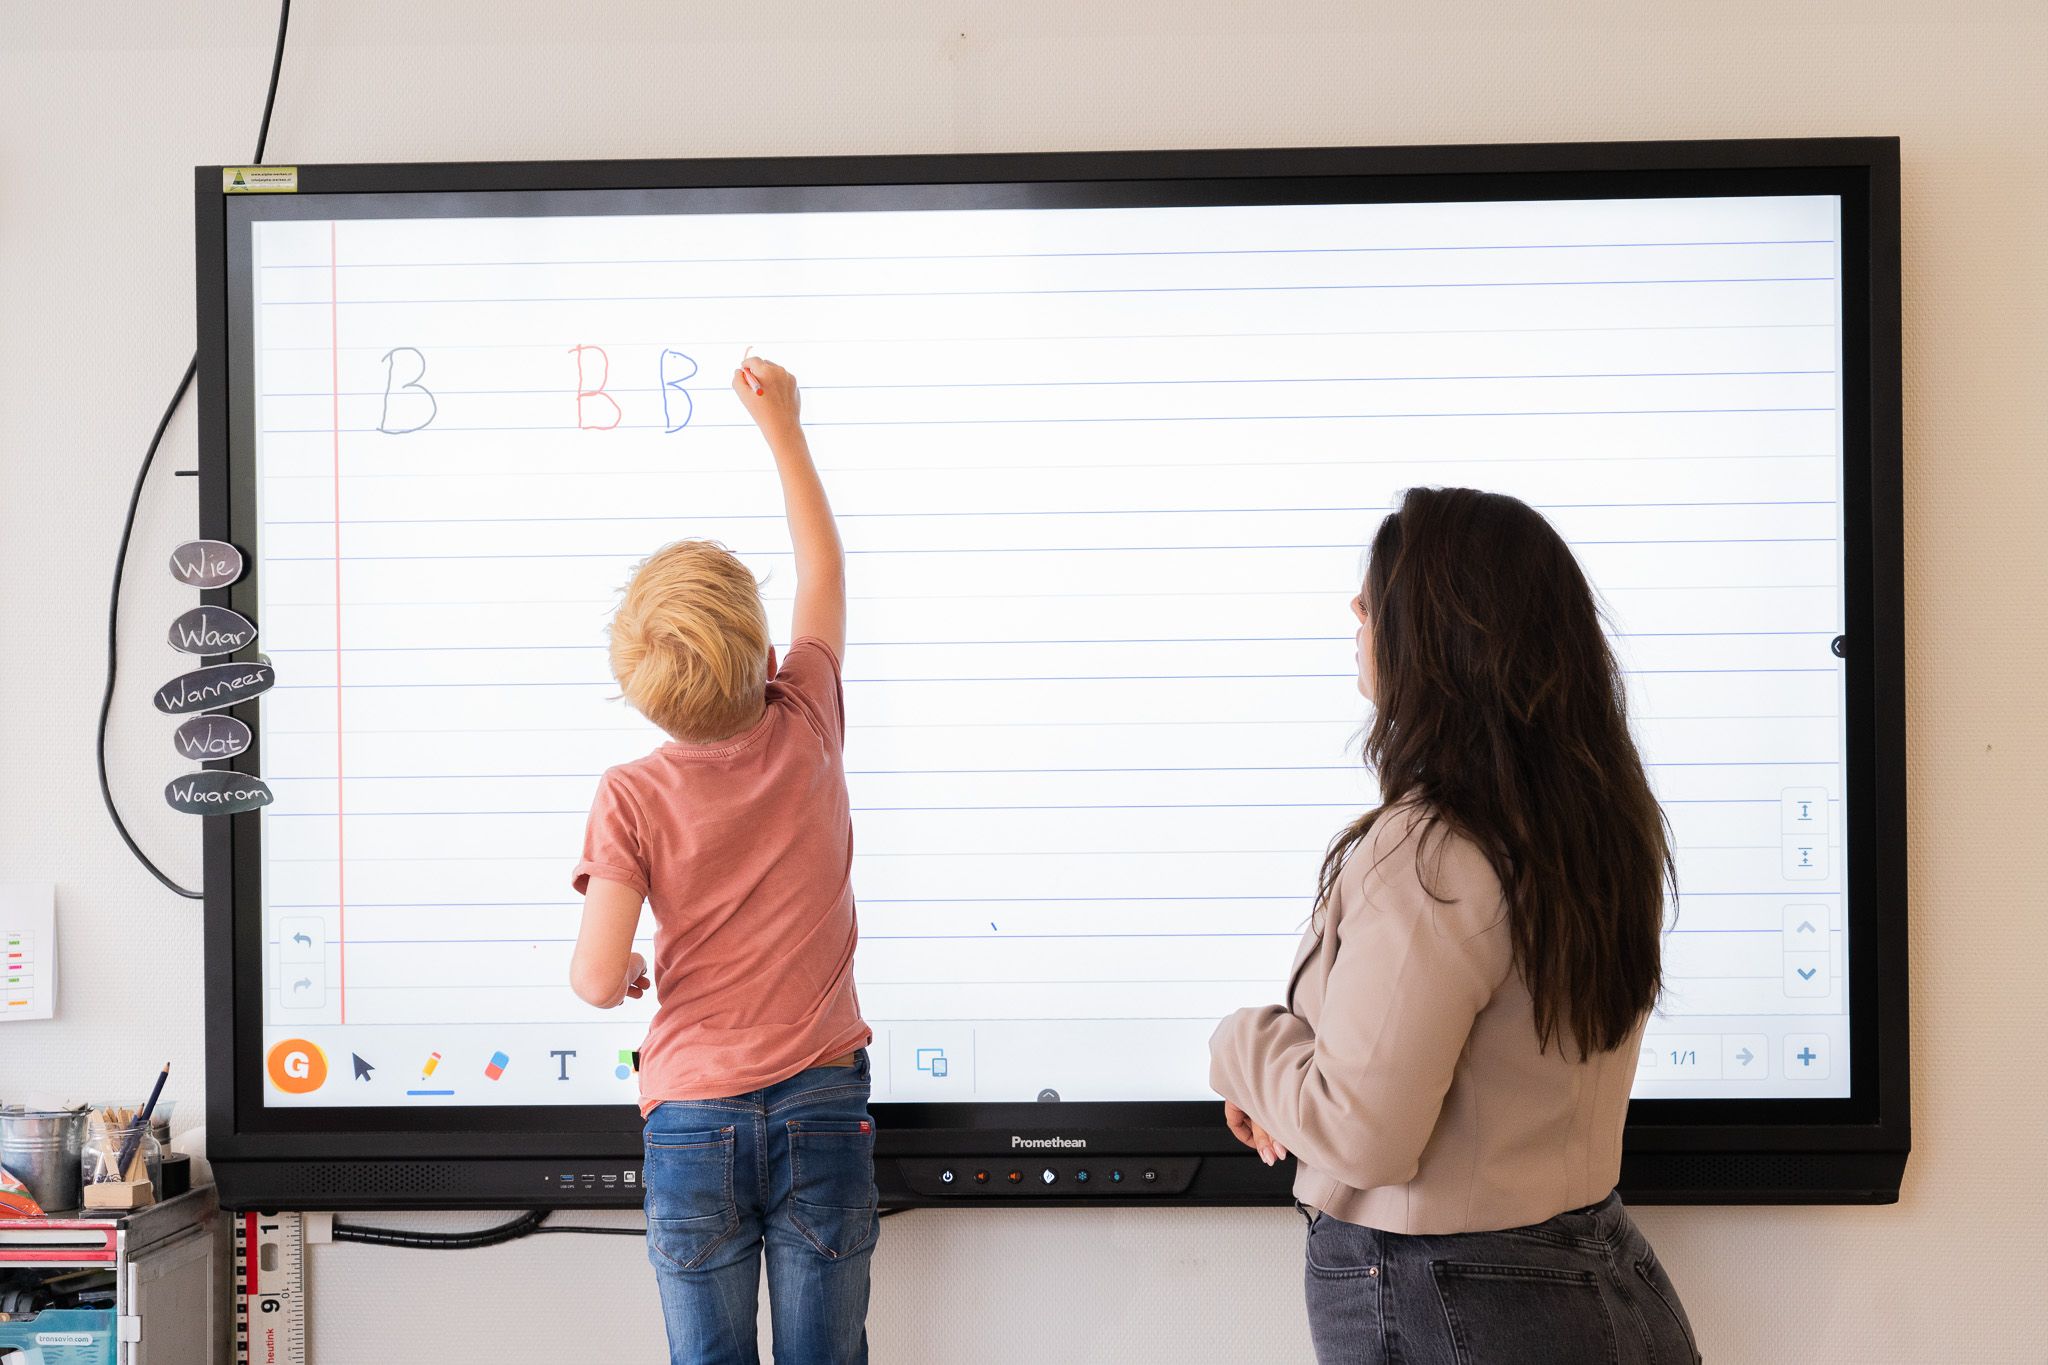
105 108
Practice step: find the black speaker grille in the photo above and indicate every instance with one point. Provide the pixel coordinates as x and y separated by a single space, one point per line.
1761 1177
411 1178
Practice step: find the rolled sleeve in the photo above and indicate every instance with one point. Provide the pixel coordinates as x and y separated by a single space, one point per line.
809 678
612 845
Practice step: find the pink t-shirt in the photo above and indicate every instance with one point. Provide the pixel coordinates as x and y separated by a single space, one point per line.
744 849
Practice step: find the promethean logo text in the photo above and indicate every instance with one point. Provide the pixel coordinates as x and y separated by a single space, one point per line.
1017 1141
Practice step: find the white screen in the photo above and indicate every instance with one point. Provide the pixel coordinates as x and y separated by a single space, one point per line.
1104 478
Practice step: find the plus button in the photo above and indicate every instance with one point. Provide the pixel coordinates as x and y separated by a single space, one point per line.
1805 1056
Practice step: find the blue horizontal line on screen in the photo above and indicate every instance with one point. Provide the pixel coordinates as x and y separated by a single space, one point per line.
1228 933
556 348
1090 980
1772 932
897 295
839 469
1292 897
1035 1019
1351 722
1050 255
985 512
937 983
440 430
851 772
559 392
573 904
988 644
888 644
1010 550
872 810
1077 677
1609 589
984 772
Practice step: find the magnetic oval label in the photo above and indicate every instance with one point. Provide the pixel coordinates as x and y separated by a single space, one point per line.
214 687
217 793
211 630
205 739
206 563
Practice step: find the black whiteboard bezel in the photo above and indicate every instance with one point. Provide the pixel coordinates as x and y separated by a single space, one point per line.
1871 1121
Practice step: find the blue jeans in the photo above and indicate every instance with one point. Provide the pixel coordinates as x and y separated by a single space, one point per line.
790 1168
1583 1288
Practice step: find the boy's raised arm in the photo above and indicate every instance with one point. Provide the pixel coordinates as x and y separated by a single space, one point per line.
771 398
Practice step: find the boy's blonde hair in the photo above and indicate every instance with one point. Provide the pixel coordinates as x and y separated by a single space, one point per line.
689 642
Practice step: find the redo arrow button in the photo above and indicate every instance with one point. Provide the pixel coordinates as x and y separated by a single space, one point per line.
1742 1056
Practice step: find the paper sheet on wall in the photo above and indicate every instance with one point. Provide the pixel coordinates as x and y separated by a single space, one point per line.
28 957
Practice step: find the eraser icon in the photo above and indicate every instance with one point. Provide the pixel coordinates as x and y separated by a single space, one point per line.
496 1067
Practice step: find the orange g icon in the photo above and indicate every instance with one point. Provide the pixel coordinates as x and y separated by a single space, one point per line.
297 1067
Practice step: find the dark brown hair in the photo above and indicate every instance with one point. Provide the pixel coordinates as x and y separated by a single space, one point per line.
1498 708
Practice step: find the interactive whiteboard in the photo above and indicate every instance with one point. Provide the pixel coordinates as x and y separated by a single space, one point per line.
1104 477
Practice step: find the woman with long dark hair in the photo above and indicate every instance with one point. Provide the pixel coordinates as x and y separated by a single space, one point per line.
1451 1070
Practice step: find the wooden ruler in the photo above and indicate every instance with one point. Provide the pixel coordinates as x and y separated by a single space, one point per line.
270 1289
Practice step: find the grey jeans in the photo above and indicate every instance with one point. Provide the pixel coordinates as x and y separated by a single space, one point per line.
1583 1288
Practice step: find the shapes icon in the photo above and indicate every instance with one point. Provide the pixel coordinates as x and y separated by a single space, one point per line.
629 1062
496 1066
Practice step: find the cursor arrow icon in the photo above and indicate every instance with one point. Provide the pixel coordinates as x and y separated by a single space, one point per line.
363 1068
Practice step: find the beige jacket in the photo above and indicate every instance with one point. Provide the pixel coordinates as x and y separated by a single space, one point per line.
1403 1072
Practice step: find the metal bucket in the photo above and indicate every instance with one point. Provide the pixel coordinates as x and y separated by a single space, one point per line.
41 1150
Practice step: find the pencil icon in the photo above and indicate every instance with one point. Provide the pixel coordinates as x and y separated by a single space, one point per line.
433 1060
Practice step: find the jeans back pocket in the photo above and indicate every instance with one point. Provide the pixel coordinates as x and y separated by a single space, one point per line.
1532 1315
832 1183
688 1183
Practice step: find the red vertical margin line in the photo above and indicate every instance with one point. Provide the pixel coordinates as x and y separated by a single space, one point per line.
340 846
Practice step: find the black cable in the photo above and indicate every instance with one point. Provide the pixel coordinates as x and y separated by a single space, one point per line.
610 1231
114 634
524 1225
284 17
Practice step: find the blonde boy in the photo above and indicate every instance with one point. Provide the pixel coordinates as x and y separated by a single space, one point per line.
754 1075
